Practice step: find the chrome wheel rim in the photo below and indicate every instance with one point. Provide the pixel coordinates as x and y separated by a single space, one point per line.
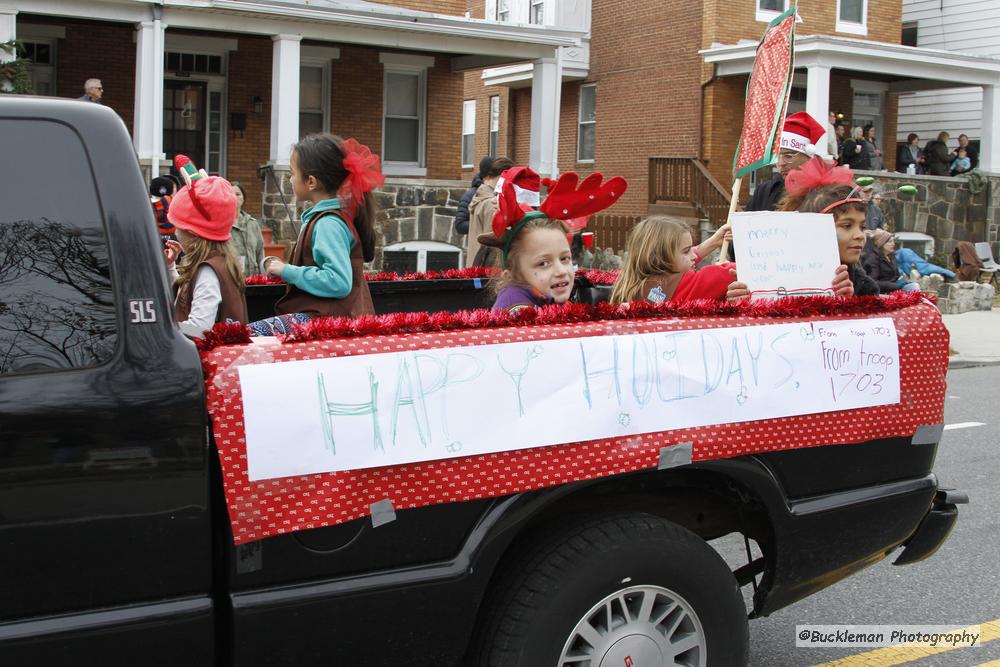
638 626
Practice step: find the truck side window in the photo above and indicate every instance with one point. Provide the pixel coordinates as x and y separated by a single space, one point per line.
57 308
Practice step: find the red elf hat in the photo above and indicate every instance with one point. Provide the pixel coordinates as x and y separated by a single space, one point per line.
206 207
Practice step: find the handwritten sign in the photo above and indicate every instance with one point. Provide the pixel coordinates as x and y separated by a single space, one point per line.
347 413
785 253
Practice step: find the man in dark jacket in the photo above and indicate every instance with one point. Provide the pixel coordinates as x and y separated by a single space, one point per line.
462 214
799 138
937 157
970 151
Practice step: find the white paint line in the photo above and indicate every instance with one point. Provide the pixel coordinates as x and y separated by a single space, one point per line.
952 427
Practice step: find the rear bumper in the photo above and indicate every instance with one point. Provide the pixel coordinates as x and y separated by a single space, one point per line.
824 539
934 528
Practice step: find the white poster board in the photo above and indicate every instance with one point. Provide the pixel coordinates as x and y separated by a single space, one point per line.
785 253
347 413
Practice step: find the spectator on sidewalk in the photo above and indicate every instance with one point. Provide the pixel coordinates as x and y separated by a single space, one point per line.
872 150
879 261
854 154
966 261
875 219
908 261
937 157
799 136
970 150
910 153
841 131
246 238
462 214
93 91
961 164
831 135
481 210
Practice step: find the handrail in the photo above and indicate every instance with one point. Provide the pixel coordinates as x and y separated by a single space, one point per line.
685 179
726 194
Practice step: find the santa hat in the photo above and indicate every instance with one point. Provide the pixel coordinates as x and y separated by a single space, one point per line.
518 193
801 133
527 185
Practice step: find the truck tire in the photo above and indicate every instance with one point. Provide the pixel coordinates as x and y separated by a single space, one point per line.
615 590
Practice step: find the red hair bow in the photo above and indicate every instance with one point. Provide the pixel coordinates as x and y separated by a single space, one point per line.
815 174
364 171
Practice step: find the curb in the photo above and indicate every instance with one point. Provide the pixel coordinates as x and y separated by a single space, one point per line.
960 362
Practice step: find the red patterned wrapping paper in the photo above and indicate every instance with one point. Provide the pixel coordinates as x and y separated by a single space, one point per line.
272 507
767 96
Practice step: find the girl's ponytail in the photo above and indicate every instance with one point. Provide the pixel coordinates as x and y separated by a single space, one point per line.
364 223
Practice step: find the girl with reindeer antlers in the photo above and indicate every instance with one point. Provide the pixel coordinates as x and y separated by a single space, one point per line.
536 262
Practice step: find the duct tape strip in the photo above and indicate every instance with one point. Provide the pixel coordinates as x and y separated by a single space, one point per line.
675 455
258 352
382 512
928 434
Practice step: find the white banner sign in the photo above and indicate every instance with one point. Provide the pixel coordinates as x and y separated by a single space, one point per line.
327 415
779 253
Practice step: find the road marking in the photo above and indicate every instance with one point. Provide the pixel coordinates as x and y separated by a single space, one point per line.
952 427
991 663
900 655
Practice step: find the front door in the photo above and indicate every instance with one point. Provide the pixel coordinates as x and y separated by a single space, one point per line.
184 120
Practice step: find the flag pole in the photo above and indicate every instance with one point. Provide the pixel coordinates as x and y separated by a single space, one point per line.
724 250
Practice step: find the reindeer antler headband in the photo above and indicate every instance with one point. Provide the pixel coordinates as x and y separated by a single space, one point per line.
565 201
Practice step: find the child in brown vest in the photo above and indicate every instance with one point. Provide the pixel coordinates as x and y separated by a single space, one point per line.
208 280
326 273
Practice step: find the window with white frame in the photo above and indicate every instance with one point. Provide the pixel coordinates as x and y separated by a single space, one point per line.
404 118
768 10
414 256
503 10
468 132
41 68
852 16
314 97
587 130
536 12
494 124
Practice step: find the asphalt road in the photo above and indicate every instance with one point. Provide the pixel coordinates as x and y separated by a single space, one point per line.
960 585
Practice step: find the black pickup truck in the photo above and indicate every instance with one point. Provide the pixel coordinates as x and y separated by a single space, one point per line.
116 547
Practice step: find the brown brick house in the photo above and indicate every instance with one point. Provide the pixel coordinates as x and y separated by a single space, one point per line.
667 79
235 83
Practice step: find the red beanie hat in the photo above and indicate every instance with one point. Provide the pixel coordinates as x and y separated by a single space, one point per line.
206 208
801 133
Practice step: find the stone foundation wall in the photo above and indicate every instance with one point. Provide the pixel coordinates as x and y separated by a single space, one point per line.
408 210
945 208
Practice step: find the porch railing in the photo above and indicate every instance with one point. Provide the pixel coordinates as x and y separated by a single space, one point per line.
685 179
611 231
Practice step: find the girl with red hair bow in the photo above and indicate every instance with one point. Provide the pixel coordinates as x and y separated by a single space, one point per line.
325 276
819 187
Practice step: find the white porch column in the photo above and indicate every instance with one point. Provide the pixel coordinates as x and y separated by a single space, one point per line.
284 97
818 98
147 131
8 31
989 143
546 93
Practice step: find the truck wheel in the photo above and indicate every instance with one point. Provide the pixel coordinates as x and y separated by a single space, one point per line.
614 592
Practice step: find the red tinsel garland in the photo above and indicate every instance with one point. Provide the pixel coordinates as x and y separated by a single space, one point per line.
394 323
594 276
324 328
